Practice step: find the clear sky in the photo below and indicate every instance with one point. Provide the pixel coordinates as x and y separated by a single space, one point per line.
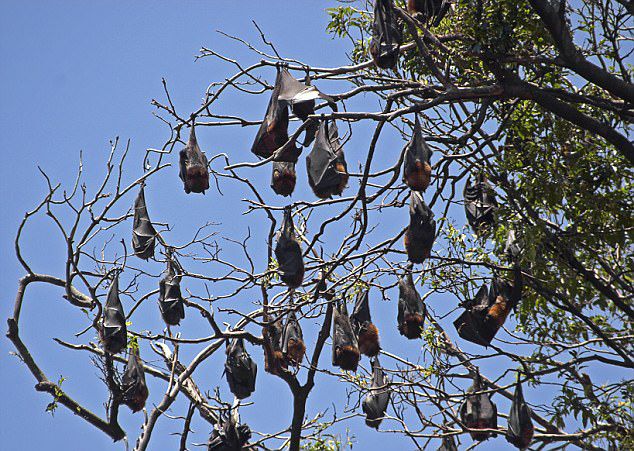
75 74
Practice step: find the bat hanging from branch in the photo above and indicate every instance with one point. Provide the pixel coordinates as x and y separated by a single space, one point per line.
480 203
143 232
284 178
228 434
421 232
113 331
478 411
326 163
240 369
345 349
274 361
133 386
411 310
387 35
193 166
375 403
417 164
520 426
367 333
288 253
171 302
293 347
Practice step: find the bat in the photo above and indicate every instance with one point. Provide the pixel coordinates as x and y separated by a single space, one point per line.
411 310
520 427
448 444
470 325
301 97
143 232
429 11
289 253
387 35
133 386
345 349
283 178
274 361
193 166
480 203
367 333
326 163
421 232
114 334
273 132
240 369
478 411
375 402
293 347
417 168
500 304
228 434
171 302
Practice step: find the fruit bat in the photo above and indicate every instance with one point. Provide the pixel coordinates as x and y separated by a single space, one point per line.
502 299
421 233
273 132
411 310
133 386
520 427
143 232
293 347
375 402
430 11
114 335
228 434
171 302
193 166
470 325
387 35
345 349
480 203
366 332
478 411
326 163
417 168
283 178
289 253
301 98
240 369
274 361
448 444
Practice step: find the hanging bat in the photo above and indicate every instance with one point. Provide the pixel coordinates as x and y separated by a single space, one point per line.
375 402
273 133
387 35
478 411
520 426
143 232
429 11
301 97
274 361
240 369
345 349
326 163
421 233
171 302
501 302
193 166
133 386
411 310
480 203
448 444
284 178
366 332
114 334
471 324
228 434
293 347
289 253
417 168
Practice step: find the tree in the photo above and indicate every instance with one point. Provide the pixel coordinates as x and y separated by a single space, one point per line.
533 95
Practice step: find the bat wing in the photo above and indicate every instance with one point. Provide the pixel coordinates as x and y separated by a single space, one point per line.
114 331
520 426
171 302
321 164
288 253
376 401
448 444
470 325
387 35
135 390
361 312
143 232
240 369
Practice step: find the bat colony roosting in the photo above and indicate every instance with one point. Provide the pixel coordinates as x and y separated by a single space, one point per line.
351 335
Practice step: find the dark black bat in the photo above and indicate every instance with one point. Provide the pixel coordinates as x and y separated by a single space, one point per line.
471 323
193 166
228 434
289 253
171 302
421 233
448 444
411 310
375 402
326 163
293 347
273 133
301 97
478 411
520 426
387 35
366 332
417 167
143 232
114 334
283 178
480 203
345 349
133 386
429 11
274 361
240 369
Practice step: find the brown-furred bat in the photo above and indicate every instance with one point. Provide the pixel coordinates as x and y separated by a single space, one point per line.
326 163
288 253
283 178
133 386
417 164
411 310
366 332
193 166
421 232
387 35
478 411
345 349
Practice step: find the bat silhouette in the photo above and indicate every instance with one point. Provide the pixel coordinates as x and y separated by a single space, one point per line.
289 253
274 361
417 167
411 310
520 426
193 166
133 386
345 349
387 35
228 434
293 347
367 333
375 402
240 369
143 232
429 11
114 335
480 203
283 178
326 163
421 233
478 411
171 302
